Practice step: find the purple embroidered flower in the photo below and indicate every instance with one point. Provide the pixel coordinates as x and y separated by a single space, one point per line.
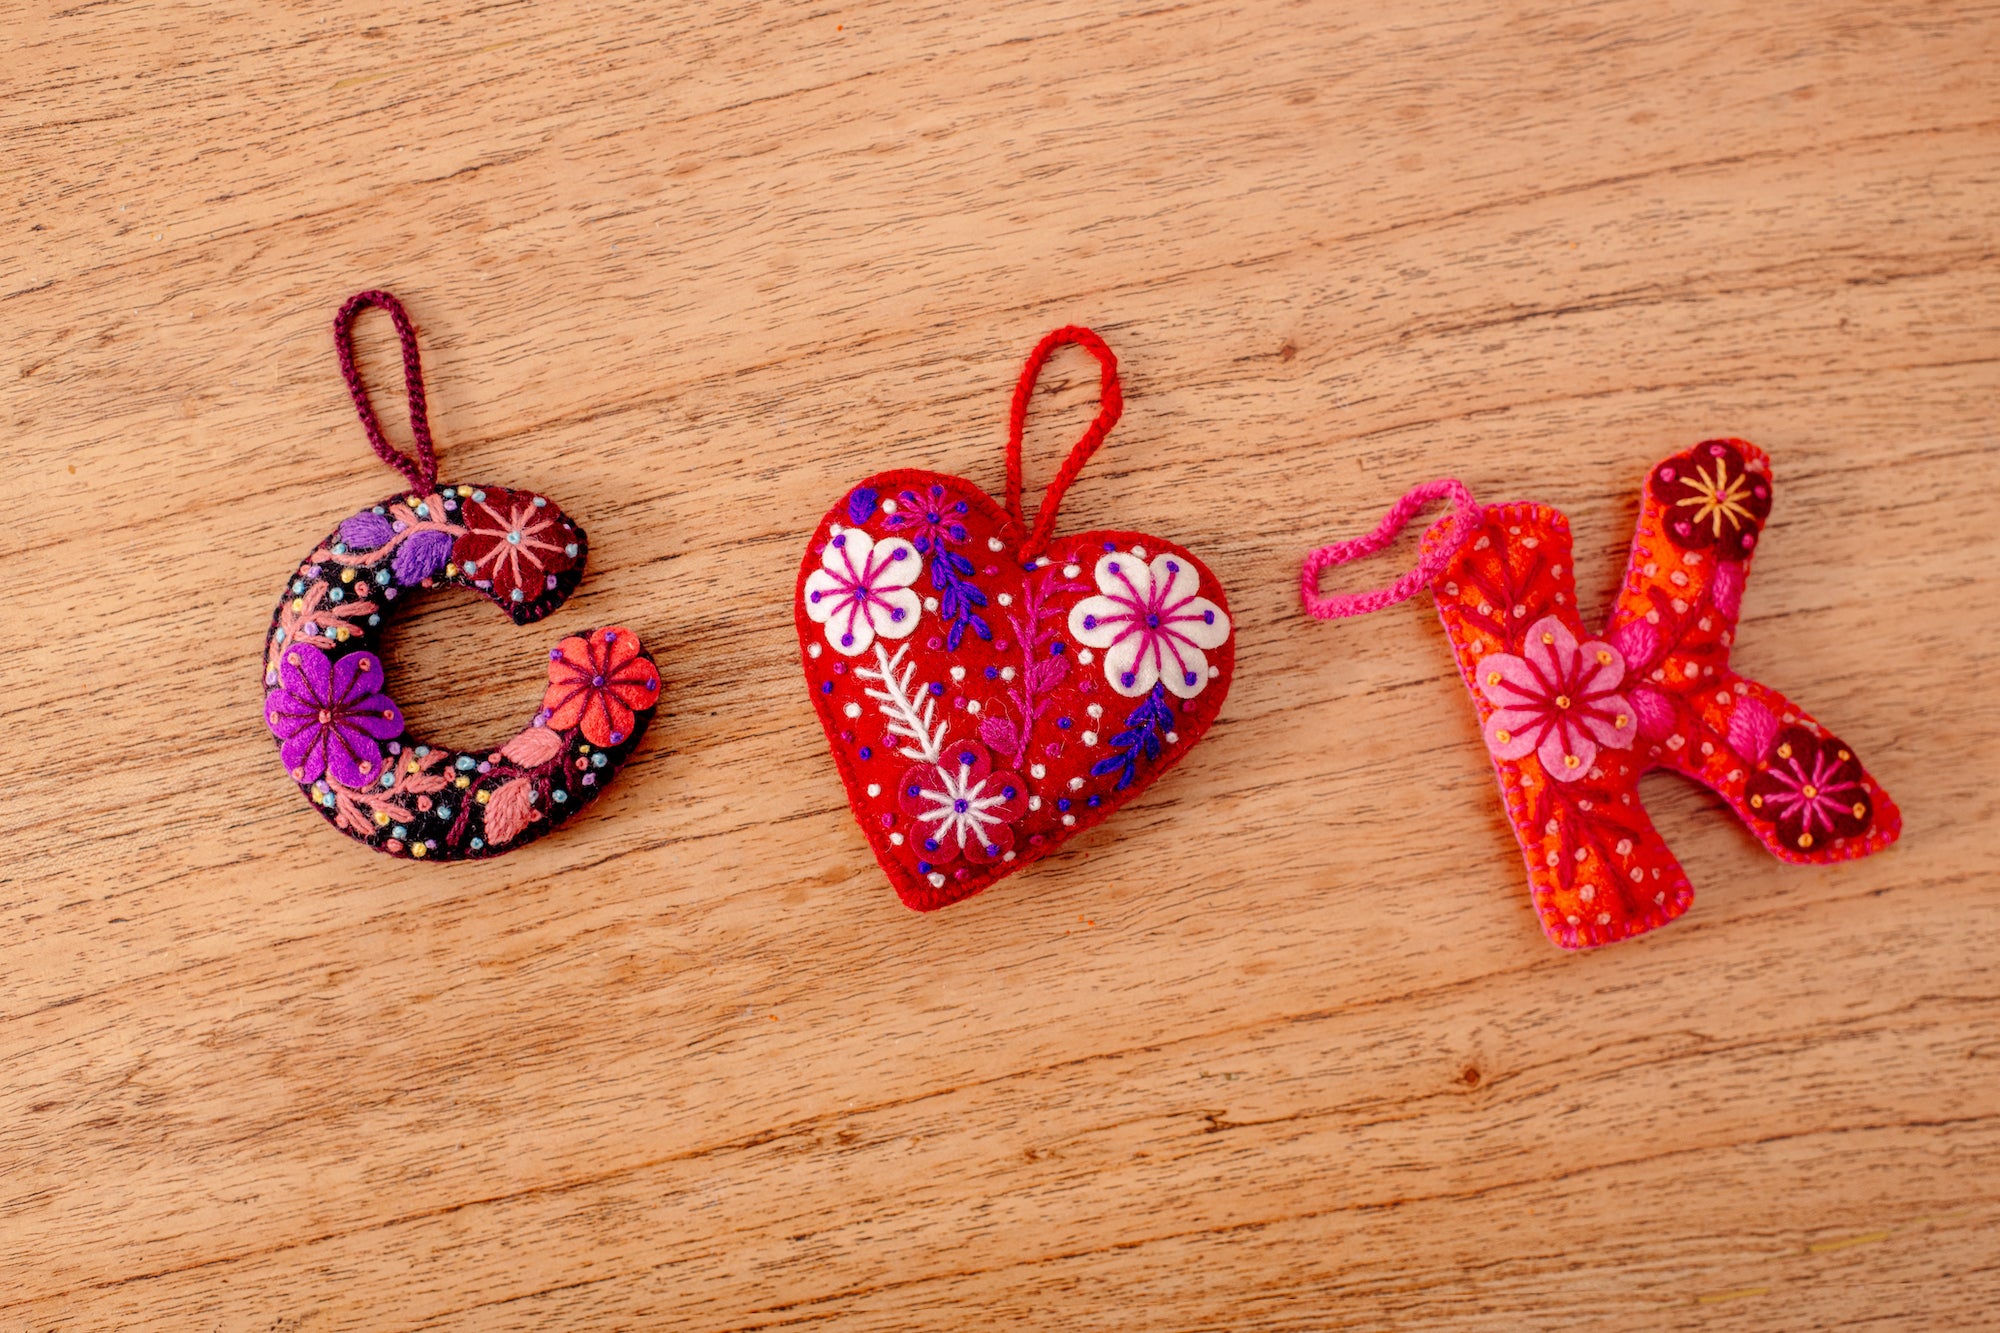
366 531
1558 700
1150 623
861 591
932 520
331 717
421 556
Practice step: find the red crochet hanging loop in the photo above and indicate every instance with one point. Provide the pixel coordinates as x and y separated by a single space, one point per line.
1441 543
1111 404
421 471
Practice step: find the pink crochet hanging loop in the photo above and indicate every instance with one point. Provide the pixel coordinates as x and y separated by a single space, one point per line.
1111 405
421 471
1441 543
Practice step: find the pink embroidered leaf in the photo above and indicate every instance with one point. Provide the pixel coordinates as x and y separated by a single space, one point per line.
1046 674
1725 588
1636 642
1654 711
533 748
999 734
509 810
1752 728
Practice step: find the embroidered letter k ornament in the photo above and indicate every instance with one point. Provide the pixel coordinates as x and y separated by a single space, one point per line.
1572 720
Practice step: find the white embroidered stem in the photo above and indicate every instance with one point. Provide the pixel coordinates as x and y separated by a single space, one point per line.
906 719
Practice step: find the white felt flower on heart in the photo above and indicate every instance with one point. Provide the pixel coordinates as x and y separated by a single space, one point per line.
861 591
1150 624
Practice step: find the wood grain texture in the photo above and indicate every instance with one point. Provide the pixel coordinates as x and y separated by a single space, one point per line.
1279 1048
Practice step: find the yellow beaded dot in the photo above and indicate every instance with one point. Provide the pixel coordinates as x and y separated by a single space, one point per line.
1548 637
1502 736
1785 750
417 849
1571 761
381 817
347 576
1604 657
1805 840
1809 791
1492 678
1845 756
481 798
1860 810
1756 803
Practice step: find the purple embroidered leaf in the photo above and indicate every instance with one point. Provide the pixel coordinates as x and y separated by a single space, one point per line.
861 504
366 531
1655 712
422 555
509 810
1752 728
1000 735
533 747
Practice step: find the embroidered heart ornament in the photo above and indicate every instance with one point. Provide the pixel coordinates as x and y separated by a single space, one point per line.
988 693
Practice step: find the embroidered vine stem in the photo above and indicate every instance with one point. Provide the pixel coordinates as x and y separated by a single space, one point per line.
354 807
1042 671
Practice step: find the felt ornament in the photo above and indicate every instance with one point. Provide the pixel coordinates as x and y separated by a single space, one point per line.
341 736
1572 718
989 689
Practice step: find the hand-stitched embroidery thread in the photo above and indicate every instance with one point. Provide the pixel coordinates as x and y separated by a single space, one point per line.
340 735
987 689
1572 720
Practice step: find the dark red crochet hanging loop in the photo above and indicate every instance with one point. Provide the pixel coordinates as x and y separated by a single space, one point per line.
1112 403
421 471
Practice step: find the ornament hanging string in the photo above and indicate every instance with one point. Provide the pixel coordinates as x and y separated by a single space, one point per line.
1111 404
1445 538
421 471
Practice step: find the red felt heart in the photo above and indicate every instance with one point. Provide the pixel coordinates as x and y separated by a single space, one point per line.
988 693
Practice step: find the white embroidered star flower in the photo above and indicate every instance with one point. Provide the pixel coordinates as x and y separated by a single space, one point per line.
861 591
1150 623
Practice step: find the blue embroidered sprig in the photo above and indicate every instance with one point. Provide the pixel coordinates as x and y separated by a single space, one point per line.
958 600
936 522
1141 739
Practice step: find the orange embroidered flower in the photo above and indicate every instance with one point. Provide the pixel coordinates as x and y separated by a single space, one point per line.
596 683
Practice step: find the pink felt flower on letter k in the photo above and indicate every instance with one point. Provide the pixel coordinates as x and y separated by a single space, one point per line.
861 590
1558 700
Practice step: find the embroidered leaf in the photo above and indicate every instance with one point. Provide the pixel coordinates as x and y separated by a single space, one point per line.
423 784
1144 726
1000 735
1048 673
366 531
1654 711
509 810
422 555
533 747
861 504
1637 643
1752 728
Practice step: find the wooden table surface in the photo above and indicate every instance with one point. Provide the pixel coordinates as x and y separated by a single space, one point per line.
1280 1047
